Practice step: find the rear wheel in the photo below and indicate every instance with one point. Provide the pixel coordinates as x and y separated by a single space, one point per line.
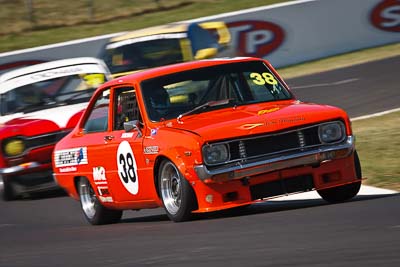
95 213
177 195
344 192
6 189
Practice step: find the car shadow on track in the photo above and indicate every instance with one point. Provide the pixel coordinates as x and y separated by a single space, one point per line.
43 195
284 205
144 219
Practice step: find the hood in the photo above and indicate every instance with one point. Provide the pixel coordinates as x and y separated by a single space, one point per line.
255 119
43 121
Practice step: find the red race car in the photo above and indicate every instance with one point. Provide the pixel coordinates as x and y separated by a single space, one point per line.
203 136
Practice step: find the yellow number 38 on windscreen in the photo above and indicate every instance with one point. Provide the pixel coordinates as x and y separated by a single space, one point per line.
263 78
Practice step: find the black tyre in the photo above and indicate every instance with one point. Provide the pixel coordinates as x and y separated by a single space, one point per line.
6 189
176 193
344 192
95 213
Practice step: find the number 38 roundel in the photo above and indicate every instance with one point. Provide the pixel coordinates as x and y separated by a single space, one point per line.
127 168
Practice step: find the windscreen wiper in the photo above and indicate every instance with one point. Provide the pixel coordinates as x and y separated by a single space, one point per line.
204 106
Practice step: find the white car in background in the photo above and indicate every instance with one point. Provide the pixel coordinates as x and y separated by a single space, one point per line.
39 105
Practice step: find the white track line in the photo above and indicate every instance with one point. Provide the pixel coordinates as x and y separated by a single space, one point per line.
376 114
324 84
365 190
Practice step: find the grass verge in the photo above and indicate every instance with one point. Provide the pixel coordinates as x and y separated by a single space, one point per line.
378 143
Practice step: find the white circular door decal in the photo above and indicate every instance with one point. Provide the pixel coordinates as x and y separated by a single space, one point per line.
127 167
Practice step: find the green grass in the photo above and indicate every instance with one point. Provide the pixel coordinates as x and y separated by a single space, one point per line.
378 143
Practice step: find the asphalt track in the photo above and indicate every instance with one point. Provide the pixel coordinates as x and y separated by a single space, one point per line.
50 230
360 90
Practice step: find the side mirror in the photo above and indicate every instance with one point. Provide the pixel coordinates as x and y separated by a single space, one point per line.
133 125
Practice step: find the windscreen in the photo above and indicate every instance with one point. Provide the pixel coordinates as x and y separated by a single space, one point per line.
211 88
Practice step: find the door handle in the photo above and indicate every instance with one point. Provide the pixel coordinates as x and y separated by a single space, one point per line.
108 138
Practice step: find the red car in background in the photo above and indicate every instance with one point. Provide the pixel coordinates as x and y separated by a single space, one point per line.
39 105
203 136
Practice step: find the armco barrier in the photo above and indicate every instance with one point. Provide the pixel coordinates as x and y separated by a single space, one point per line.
286 33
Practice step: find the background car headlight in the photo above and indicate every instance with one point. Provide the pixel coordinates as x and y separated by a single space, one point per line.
331 132
13 147
214 154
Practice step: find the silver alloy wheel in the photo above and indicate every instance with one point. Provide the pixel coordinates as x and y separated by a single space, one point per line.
171 189
88 198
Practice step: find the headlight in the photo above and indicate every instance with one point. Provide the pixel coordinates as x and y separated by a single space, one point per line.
13 147
331 132
214 154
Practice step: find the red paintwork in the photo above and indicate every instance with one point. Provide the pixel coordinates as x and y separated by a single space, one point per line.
30 128
175 139
221 129
73 121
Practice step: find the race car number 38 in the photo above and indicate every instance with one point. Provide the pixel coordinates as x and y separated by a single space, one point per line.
127 167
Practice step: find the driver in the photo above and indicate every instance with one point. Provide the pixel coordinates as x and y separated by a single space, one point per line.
159 102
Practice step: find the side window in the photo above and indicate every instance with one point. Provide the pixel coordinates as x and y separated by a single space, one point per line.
125 107
98 118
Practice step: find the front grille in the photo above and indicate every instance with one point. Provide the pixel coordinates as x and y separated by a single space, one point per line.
267 145
295 184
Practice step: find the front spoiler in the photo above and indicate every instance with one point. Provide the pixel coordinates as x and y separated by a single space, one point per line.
304 158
